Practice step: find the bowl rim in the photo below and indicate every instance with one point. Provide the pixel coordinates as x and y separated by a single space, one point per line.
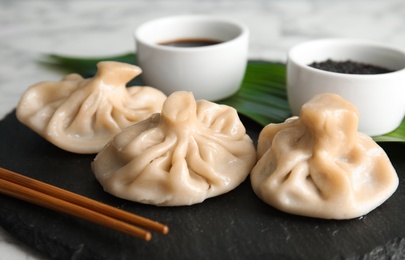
141 39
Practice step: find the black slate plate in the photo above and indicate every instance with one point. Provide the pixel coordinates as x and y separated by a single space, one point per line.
236 225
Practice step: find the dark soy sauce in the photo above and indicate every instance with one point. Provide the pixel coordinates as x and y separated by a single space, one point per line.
190 43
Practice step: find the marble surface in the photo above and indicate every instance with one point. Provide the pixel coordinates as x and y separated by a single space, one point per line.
29 29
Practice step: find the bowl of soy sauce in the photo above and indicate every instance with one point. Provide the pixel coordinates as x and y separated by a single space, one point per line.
203 54
369 74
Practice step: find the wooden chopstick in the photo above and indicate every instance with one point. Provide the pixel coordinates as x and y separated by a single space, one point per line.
46 195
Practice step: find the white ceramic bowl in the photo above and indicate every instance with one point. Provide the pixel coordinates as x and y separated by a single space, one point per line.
211 72
380 98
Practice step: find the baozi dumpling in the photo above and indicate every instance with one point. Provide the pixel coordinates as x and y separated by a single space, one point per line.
81 115
318 165
191 151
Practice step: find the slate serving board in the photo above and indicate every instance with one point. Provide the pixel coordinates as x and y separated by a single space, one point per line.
236 225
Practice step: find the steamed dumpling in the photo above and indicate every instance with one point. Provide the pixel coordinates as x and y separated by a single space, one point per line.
82 115
318 165
191 151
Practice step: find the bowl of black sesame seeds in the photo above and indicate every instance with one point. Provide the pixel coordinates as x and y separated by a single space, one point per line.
368 74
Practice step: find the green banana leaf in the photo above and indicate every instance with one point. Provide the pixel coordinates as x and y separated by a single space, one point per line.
262 96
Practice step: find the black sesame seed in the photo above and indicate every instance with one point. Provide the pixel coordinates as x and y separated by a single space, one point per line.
349 67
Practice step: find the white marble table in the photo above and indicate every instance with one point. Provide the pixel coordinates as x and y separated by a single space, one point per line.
29 29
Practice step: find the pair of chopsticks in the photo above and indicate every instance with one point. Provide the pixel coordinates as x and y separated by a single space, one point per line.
48 196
